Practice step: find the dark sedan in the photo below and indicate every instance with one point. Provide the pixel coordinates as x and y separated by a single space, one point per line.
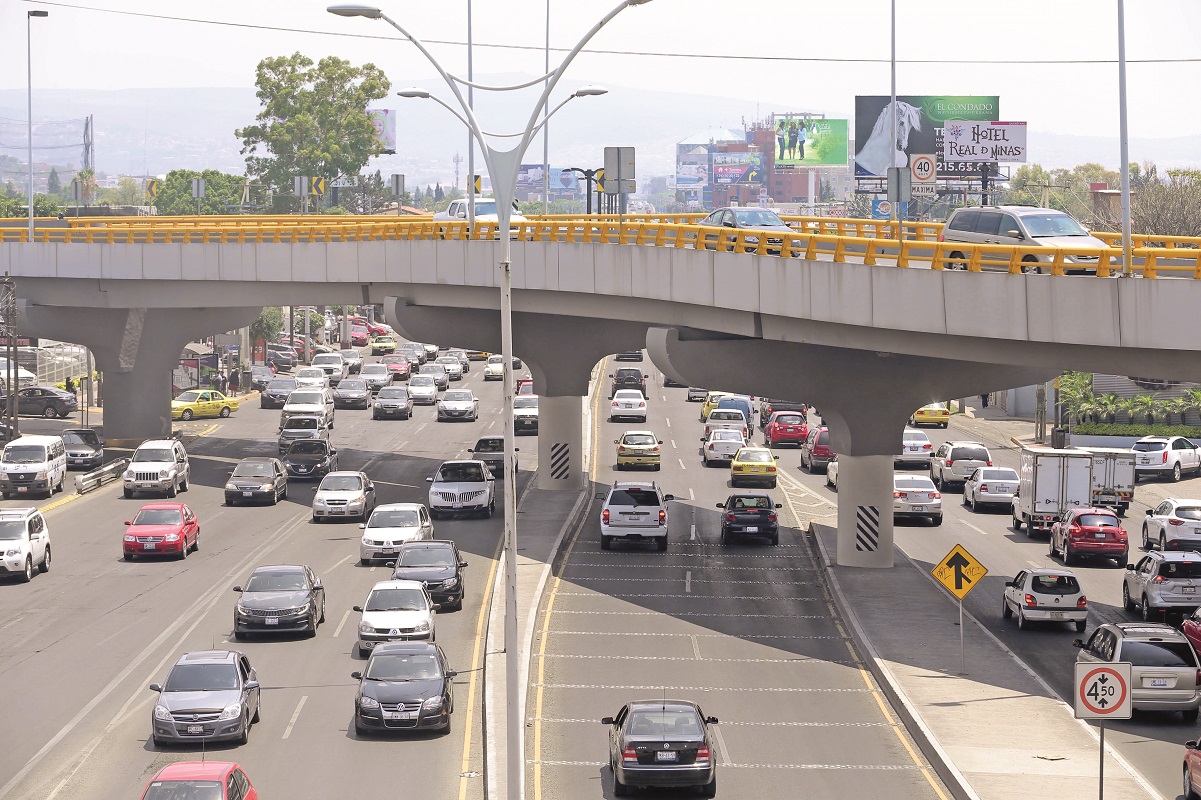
405 686
43 401
749 514
393 401
352 393
281 357
280 598
276 393
310 458
257 479
437 564
260 377
659 743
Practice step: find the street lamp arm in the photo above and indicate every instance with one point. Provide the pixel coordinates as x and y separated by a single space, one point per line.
490 88
452 110
540 125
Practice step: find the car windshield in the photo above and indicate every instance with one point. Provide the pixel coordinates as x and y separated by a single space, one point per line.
398 667
26 454
433 369
496 359
461 473
184 790
394 518
755 456
276 582
142 455
485 207
341 483
375 369
81 437
394 359
1188 512
396 600
1054 584
1149 447
421 380
1097 521
1040 225
426 557
490 446
310 372
393 393
188 397
1158 654
202 678
309 447
301 424
459 397
915 436
352 386
282 385
638 438
756 219
12 529
999 474
328 358
158 516
306 398
664 723
1179 570
449 361
915 483
633 496
788 419
259 469
969 454
526 401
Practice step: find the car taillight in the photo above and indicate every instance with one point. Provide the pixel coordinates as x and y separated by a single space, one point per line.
702 752
771 517
614 404
1075 532
1030 601
1198 679
662 516
935 495
990 463
927 446
605 516
641 404
984 487
1159 579
712 446
729 517
950 463
1165 456
744 432
1175 522
1082 602
901 495
940 237
628 756
655 449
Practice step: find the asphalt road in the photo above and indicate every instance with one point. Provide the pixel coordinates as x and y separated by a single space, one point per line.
82 642
747 631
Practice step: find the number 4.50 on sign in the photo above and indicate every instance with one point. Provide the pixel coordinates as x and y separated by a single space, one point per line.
1102 690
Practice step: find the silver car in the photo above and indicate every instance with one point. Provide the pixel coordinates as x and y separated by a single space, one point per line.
209 696
342 495
1162 582
464 361
1163 664
454 367
390 526
423 390
915 449
990 486
954 462
458 404
721 445
392 401
462 487
377 376
916 496
696 394
1021 226
437 372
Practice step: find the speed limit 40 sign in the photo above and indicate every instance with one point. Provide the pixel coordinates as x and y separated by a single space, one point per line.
1102 691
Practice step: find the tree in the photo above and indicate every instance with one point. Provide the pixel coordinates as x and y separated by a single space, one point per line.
316 324
1171 207
129 192
368 195
87 177
268 326
439 195
53 184
314 119
220 191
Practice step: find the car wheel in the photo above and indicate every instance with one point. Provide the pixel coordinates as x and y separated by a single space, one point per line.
128 556
364 562
725 537
224 411
1030 266
1023 623
619 466
1126 602
606 542
936 520
1146 609
1051 551
49 413
1176 472
1146 538
972 505
1006 611
244 736
183 550
1069 558
1081 624
772 485
828 483
1017 524
619 789
709 789
360 731
775 539
1163 542
661 545
44 567
27 575
186 415
172 490
240 635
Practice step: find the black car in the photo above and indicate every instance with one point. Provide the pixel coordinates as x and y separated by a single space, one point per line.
260 376
352 393
276 393
280 598
491 450
749 514
255 479
85 448
405 686
437 564
281 357
628 378
769 406
660 743
417 350
42 401
310 458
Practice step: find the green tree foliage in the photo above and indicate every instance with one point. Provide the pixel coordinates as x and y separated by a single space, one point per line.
220 192
1171 207
316 324
439 195
314 119
129 192
54 185
368 195
268 326
1062 189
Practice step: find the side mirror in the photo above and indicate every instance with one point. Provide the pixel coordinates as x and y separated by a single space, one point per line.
451 673
362 526
103 443
1078 643
777 458
618 441
600 496
778 505
1057 518
251 685
239 589
711 720
154 687
358 676
463 565
667 497
429 480
370 488
315 489
610 374
1191 744
390 564
127 522
436 606
1008 584
1014 234
1130 566
1148 512
604 720
357 608
516 449
719 505
660 441
470 449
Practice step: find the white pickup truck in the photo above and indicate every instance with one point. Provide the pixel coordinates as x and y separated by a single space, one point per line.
485 211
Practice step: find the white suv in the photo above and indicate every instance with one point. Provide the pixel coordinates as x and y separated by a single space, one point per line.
158 465
634 512
1166 456
24 542
336 368
462 487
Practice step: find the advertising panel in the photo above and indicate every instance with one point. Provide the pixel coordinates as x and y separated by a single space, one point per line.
920 121
692 167
729 168
984 141
384 120
804 141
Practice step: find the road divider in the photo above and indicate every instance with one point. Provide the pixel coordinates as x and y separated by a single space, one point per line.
98 477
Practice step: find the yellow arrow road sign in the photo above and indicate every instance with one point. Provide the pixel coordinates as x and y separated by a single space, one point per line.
318 186
152 188
959 571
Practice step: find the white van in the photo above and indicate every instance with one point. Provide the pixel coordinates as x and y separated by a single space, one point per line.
24 376
33 465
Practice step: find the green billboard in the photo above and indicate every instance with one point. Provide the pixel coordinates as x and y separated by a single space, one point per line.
807 141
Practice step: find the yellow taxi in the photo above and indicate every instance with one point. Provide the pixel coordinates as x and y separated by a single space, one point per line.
932 414
638 449
477 355
202 403
383 345
711 403
753 465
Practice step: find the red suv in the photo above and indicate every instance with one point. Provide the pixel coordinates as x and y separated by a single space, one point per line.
197 778
816 452
786 427
1089 532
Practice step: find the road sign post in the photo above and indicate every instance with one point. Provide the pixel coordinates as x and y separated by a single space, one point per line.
959 572
923 169
1102 691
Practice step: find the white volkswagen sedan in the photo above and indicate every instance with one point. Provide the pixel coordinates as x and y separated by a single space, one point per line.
395 611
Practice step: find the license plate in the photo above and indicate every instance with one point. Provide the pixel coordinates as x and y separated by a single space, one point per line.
77 461
389 552
149 546
195 729
271 621
1159 683
337 511
752 529
1189 590
398 715
1098 535
22 489
247 494
456 505
1056 615
666 755
919 508
756 469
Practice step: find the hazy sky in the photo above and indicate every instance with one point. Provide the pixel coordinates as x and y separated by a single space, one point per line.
86 45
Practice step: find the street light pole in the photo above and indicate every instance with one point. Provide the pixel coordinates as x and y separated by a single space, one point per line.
1124 142
29 15
895 206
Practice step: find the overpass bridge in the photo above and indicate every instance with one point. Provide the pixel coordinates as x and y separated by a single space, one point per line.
865 320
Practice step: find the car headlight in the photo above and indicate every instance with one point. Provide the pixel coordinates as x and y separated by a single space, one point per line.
367 540
422 627
358 501
432 703
365 628
232 711
129 537
368 702
172 537
752 240
229 487
266 487
15 551
379 405
161 713
318 500
41 476
449 583
164 474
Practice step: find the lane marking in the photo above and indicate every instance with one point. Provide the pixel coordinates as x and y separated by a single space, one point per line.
692 535
691 494
421 427
295 716
550 604
481 634
338 629
681 463
726 761
687 588
664 398
973 527
339 563
1034 564
696 649
673 445
668 421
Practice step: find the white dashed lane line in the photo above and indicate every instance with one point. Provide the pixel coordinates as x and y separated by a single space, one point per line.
338 629
295 716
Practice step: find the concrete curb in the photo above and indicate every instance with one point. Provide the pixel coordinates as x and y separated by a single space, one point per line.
925 738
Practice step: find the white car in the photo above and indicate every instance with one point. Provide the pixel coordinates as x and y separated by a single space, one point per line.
1174 524
832 473
696 394
628 403
396 611
462 487
728 418
423 390
454 367
311 377
1045 595
158 465
308 402
458 404
1166 456
721 445
390 526
990 486
634 512
485 211
915 496
525 414
915 449
342 495
24 543
461 354
335 367
494 369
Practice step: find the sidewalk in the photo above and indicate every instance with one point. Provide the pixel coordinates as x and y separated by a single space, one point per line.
996 733
992 426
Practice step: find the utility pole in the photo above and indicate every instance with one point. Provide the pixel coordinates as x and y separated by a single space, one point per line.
8 324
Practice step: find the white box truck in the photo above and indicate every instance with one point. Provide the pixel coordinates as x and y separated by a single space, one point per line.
1049 483
1113 477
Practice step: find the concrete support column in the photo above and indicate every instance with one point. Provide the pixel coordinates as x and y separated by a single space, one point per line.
865 511
560 443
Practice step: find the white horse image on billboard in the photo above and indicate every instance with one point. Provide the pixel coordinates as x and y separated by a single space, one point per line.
878 152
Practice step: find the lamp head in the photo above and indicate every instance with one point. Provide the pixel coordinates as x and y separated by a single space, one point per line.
414 92
370 12
590 91
38 13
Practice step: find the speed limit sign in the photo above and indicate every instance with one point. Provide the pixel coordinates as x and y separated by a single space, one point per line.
1102 691
922 165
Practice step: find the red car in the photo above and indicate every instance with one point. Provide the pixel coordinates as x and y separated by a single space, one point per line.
1089 532
815 450
399 365
162 529
786 427
215 780
358 335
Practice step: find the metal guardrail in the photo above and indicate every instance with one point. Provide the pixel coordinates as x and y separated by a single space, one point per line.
101 475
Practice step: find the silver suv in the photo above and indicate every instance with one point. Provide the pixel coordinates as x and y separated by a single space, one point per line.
1026 226
634 512
1163 665
158 465
1162 582
462 487
954 462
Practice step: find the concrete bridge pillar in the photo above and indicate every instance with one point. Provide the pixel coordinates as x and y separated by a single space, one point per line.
136 349
561 442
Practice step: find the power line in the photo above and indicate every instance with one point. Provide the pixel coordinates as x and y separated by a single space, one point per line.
637 53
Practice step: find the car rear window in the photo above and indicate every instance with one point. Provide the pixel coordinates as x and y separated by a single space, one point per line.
915 483
999 475
629 373
1054 584
969 454
915 437
755 456
633 497
1158 654
1149 447
1097 520
1188 512
727 415
823 438
490 446
964 221
1180 569
788 419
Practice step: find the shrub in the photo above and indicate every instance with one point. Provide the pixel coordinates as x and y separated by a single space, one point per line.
1110 429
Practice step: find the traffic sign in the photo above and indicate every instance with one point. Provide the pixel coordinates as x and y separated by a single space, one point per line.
1102 691
478 183
318 186
959 571
152 188
600 181
923 167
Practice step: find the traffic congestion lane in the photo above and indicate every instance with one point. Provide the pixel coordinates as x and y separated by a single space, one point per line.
129 613
746 630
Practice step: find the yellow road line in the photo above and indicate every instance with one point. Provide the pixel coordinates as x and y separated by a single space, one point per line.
62 501
481 633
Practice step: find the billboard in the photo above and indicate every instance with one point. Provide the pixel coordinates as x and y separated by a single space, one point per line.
730 168
984 141
806 141
920 120
692 166
384 120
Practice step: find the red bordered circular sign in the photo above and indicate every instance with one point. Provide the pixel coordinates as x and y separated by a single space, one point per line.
1103 690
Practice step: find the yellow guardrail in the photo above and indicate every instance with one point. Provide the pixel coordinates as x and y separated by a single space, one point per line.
828 238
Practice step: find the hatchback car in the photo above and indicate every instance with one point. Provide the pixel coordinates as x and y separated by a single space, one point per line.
785 427
395 611
405 686
212 780
915 496
749 514
954 462
990 486
390 526
258 479
343 495
438 565
423 390
395 402
437 372
696 394
462 487
209 696
721 445
753 465
1045 595
352 393
932 414
310 458
661 743
916 448
1162 582
1021 226
458 404
639 449
634 512
710 402
1092 532
1174 524
280 598
816 452
1164 673
161 529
